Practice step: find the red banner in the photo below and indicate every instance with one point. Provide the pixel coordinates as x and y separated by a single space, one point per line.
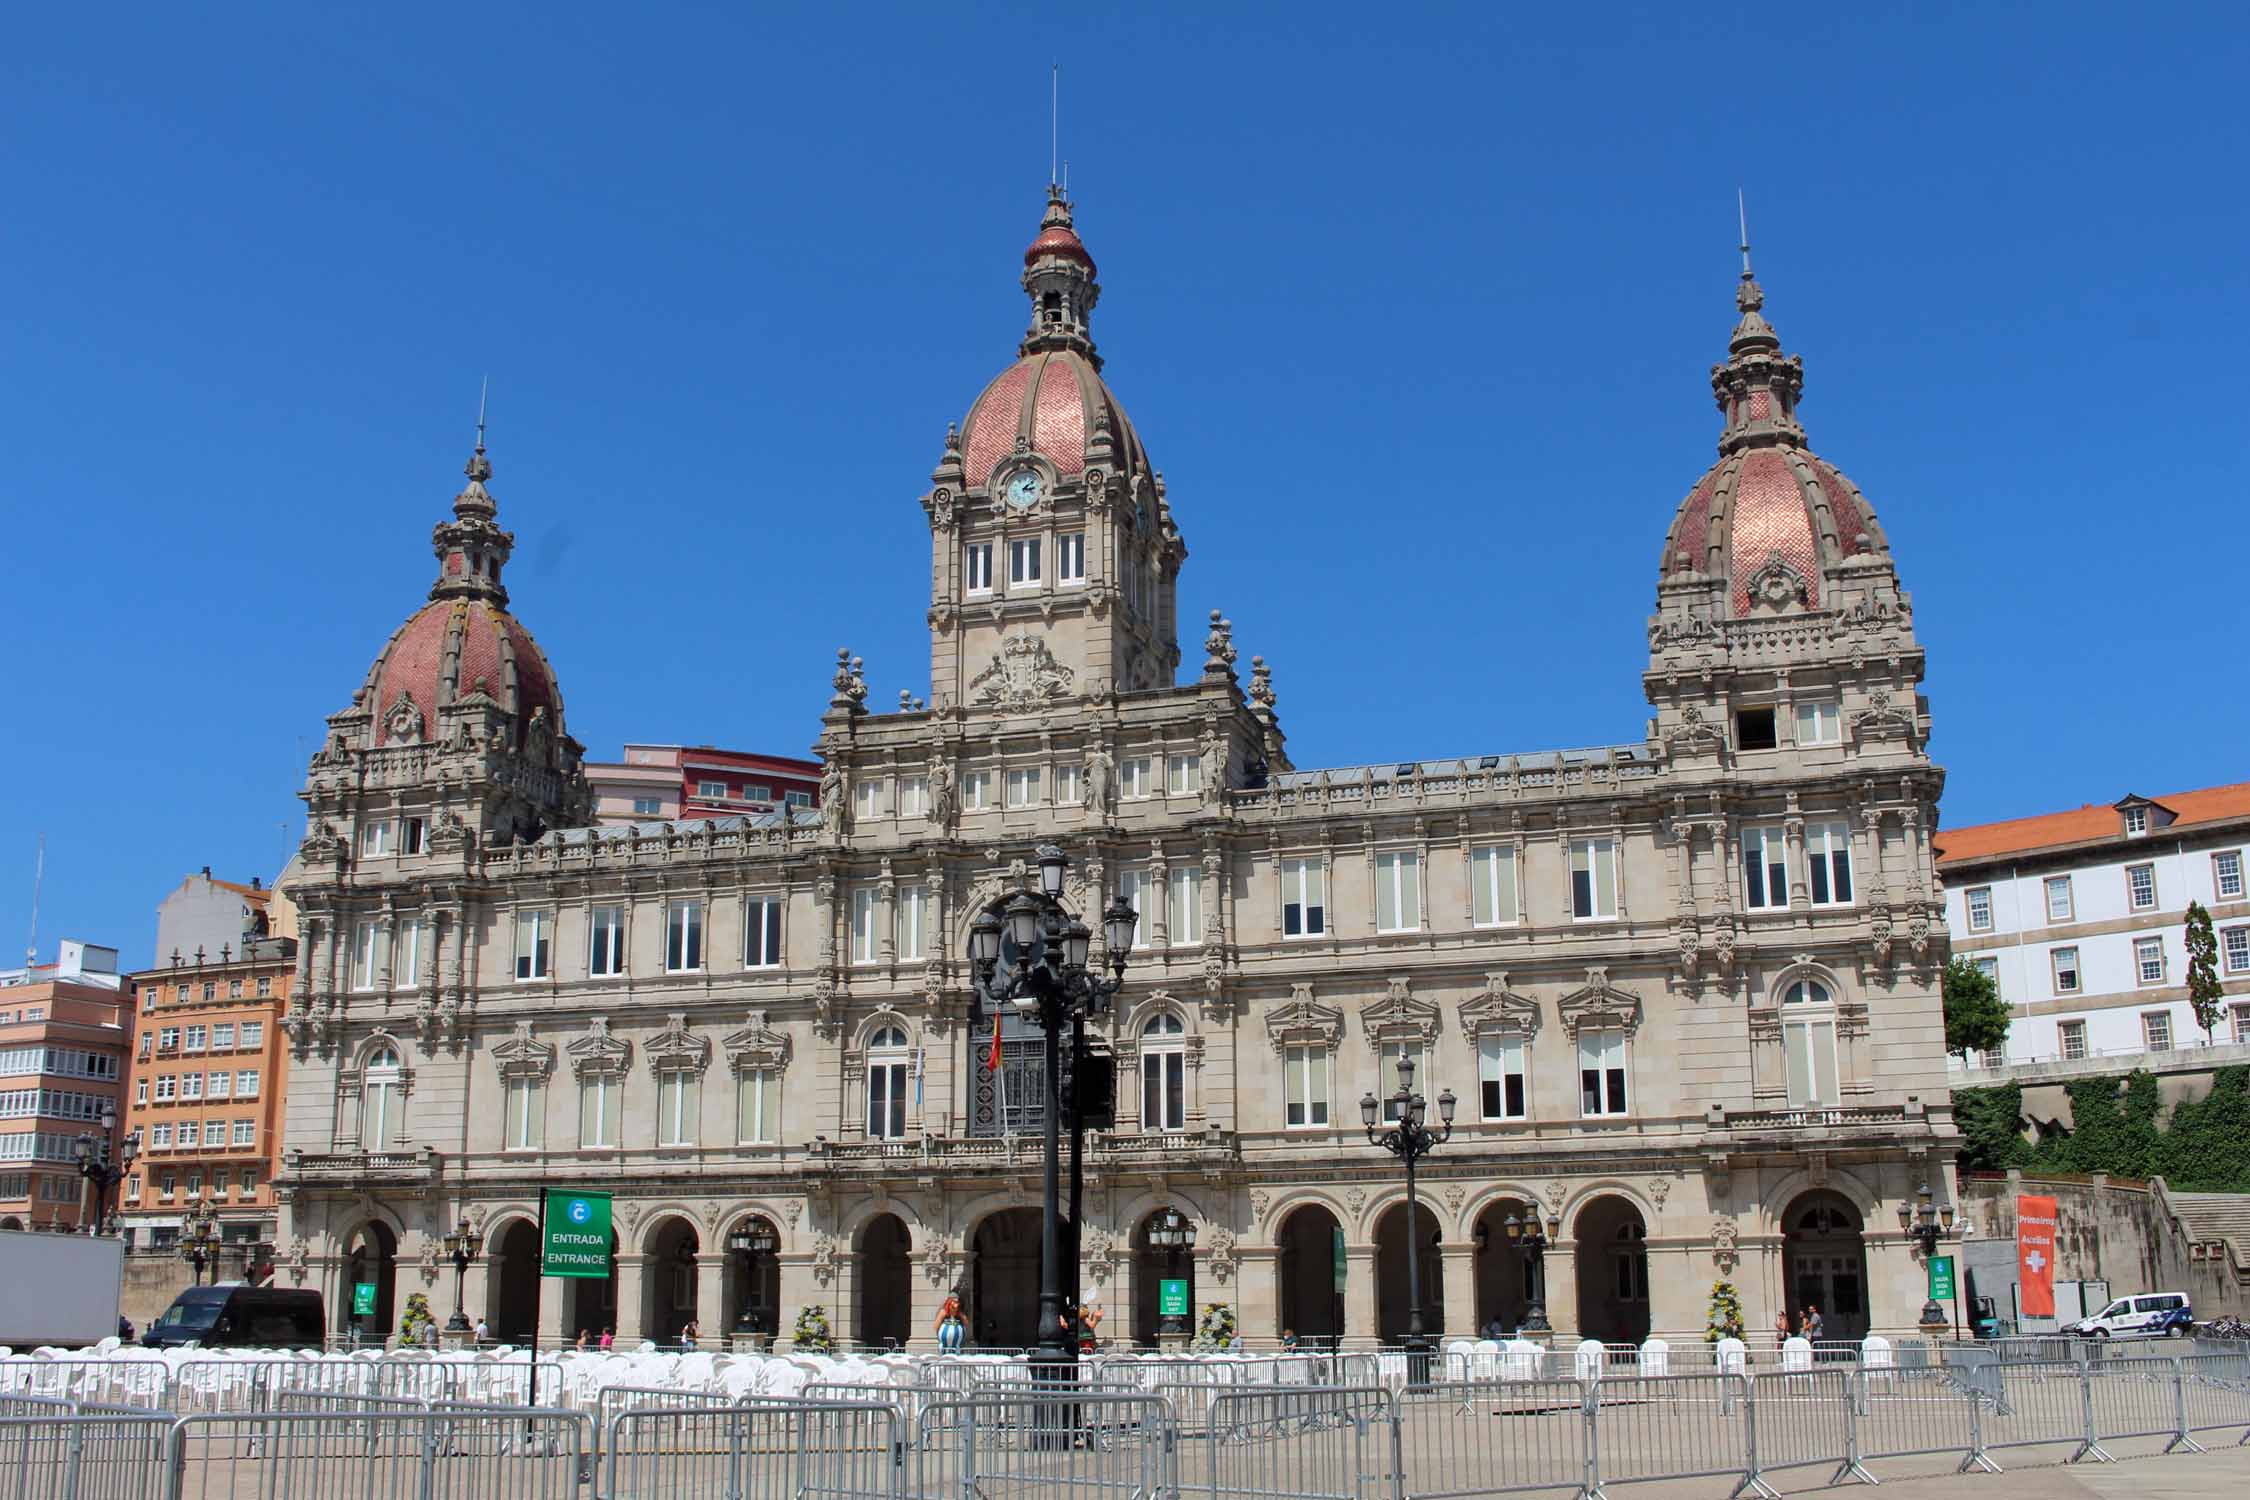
2035 1255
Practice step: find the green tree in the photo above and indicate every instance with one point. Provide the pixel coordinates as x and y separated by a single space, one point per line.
1991 1122
2204 994
1976 1018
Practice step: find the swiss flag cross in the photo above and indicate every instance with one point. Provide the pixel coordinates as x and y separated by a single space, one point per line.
2035 1262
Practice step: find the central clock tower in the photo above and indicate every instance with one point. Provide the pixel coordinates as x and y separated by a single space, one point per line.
1054 561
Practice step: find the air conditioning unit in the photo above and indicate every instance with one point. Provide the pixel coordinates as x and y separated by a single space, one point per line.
2196 1251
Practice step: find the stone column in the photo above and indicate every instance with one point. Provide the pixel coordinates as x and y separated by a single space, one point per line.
1116 1297
712 1316
1560 1269
1258 1292
797 1289
1359 1292
1460 1283
476 1286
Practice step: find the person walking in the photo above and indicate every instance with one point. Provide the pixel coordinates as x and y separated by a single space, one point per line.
687 1336
583 1335
609 1337
1780 1329
1812 1322
484 1331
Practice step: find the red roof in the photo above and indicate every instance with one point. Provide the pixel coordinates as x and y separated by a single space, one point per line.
2090 824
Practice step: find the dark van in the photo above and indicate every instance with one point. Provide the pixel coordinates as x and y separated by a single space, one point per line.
236 1314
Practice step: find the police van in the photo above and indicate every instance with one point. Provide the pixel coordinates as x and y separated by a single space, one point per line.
2151 1315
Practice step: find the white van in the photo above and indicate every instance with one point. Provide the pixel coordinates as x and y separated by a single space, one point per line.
2153 1315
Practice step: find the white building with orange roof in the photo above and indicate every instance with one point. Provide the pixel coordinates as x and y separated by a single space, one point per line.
2081 918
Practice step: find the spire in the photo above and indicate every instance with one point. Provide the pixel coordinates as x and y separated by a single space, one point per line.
1059 275
1757 388
471 548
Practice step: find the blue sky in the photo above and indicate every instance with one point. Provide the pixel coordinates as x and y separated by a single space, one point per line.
1414 306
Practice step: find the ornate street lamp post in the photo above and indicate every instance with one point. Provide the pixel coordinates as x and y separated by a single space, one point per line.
1171 1233
1410 1139
94 1165
199 1237
1529 1239
1926 1224
462 1243
752 1239
1045 978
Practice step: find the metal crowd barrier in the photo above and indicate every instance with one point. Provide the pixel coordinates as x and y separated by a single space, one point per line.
1296 1441
432 1453
776 1450
1072 1442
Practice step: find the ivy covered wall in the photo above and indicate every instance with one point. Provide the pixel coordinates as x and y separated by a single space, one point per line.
2120 1126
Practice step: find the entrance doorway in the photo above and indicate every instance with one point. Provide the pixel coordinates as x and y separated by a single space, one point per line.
1312 1277
1505 1280
1004 1280
668 1281
370 1259
511 1272
1151 1268
885 1287
1612 1263
1392 1304
1824 1263
753 1284
590 1303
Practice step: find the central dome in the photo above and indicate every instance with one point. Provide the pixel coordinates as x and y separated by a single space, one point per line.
1053 403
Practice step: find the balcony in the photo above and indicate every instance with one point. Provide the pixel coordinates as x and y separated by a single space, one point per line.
1182 1150
1822 1125
417 1169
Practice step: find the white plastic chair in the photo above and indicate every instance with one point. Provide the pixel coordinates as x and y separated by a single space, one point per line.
1732 1356
1656 1357
1796 1353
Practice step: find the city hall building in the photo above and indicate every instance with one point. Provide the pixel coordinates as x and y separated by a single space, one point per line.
1684 988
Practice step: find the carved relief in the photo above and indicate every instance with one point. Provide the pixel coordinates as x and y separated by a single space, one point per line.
1497 1008
1399 1016
1599 1004
1024 672
1304 1021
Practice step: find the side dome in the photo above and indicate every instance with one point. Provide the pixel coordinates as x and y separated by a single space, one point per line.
450 649
1770 518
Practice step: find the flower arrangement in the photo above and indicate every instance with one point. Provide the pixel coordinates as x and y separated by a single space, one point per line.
1217 1328
413 1327
1725 1318
811 1333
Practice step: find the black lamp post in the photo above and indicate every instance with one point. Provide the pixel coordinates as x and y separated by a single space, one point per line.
462 1243
752 1239
1528 1238
94 1165
1410 1139
1046 979
1926 1224
199 1238
1171 1233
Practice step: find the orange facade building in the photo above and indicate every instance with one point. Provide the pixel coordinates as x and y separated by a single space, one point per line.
62 1059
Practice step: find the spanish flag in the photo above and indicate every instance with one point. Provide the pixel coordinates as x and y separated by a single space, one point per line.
992 1059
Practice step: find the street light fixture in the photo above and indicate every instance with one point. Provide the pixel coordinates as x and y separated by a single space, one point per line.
1528 1238
94 1165
462 1242
1172 1233
751 1239
1048 982
1926 1224
199 1238
1410 1139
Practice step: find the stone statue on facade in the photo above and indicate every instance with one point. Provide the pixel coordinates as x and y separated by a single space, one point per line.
943 804
1100 794
832 809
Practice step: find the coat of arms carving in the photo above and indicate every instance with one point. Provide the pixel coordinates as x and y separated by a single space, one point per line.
1024 672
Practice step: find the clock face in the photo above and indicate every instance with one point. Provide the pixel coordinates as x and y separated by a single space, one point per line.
1024 489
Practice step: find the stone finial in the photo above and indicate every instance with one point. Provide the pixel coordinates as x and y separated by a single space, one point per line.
1261 684
850 682
1219 647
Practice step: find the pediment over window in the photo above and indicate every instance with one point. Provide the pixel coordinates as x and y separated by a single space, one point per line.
598 1054
756 1046
676 1049
1599 1005
1399 1017
1497 1008
1303 1021
1883 720
522 1057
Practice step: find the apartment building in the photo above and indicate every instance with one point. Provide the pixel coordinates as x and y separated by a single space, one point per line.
698 781
62 1056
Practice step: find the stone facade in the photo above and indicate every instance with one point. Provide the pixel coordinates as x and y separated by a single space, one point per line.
1685 988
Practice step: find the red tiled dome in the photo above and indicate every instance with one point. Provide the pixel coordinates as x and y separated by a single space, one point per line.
450 648
1060 239
1757 504
1055 400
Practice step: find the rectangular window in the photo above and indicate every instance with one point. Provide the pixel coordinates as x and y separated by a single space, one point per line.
363 955
1304 908
683 937
214 1132
1809 1047
1593 880
1164 1089
1398 892
2234 949
196 1039
1305 1086
167 1088
168 1039
755 792
1765 869
757 1107
2156 1030
796 799
1978 900
913 921
2072 1035
976 567
711 791
1500 1078
1819 724
2140 887
886 1100
647 807
761 931
221 1084
913 796
678 1096
168 1183
863 925
1828 863
1601 1073
1068 785
597 1110
140 1091
2058 898
1184 908
605 958
867 798
191 1085
1386 1074
1133 890
1134 778
249 1181
413 835
2148 960
976 790
2241 1013
1023 561
2226 873
246 1084
525 1114
1183 774
1070 557
2136 821
133 1189
160 1137
2065 961
1023 786
375 840
1988 967
245 1133
534 933
265 985
1492 887
234 989
253 1033
222 1036
1755 729
406 952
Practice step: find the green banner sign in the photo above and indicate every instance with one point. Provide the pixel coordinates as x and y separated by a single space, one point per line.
1171 1299
578 1237
1336 1250
363 1299
1941 1278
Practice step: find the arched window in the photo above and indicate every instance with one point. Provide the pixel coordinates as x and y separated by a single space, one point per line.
887 1060
379 1099
1808 1037
1163 1074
